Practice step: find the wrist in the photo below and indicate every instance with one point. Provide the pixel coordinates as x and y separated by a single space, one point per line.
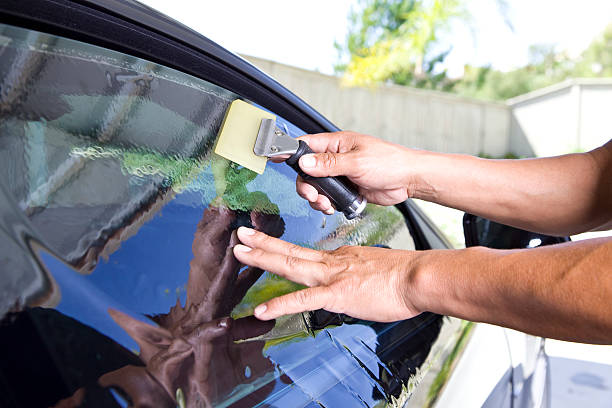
423 283
420 284
456 282
420 174
438 278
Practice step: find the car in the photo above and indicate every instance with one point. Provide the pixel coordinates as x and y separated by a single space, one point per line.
118 284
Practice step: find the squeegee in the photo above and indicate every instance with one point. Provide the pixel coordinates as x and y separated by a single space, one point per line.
249 136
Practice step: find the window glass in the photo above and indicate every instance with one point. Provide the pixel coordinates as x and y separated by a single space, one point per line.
117 279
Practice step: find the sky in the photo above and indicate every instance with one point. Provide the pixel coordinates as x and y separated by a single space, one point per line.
302 33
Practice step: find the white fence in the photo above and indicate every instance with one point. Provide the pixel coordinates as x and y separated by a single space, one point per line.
573 116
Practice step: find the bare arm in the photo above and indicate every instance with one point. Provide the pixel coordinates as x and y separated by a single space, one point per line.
562 291
559 195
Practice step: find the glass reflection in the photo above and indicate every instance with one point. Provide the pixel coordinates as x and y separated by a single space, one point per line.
191 357
110 172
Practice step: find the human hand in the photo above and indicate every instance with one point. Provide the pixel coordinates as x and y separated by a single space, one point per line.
192 342
368 283
381 170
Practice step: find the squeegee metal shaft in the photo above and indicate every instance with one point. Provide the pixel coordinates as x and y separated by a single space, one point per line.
272 141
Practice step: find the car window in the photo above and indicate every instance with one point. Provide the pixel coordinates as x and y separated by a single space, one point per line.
118 282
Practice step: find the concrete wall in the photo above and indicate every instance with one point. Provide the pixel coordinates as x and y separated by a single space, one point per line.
412 117
572 116
575 115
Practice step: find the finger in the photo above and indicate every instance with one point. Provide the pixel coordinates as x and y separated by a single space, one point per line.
257 239
305 190
317 201
298 270
318 297
327 164
337 142
323 204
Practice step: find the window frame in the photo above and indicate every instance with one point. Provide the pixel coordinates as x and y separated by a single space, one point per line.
137 30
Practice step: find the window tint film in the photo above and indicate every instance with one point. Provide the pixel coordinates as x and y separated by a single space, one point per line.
118 284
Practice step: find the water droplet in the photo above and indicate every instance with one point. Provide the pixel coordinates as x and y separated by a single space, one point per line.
180 398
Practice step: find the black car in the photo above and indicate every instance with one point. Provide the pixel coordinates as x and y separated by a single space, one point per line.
117 284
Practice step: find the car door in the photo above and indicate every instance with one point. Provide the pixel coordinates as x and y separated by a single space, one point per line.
118 286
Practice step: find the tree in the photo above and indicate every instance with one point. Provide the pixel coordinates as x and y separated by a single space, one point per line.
546 66
596 60
398 41
395 41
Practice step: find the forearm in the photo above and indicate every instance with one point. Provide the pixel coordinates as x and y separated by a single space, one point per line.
562 291
559 195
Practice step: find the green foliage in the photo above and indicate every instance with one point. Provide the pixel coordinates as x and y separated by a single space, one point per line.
487 83
445 371
546 67
505 156
264 290
139 162
179 172
394 41
230 183
596 60
386 220
398 41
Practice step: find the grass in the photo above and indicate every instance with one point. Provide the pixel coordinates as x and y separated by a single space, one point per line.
445 370
508 155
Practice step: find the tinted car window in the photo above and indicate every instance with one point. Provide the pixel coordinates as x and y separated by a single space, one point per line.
118 283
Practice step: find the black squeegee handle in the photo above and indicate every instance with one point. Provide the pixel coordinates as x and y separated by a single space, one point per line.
339 190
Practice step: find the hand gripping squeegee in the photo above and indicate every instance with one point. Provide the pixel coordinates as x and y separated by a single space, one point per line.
249 136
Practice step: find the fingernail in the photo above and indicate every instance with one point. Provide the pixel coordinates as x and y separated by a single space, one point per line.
259 310
242 248
246 231
308 160
329 211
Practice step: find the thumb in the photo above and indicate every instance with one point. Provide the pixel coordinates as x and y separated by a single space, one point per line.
327 164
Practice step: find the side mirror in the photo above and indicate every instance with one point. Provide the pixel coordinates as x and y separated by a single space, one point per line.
479 231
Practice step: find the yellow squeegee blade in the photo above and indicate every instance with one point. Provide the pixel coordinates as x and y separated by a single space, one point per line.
238 134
